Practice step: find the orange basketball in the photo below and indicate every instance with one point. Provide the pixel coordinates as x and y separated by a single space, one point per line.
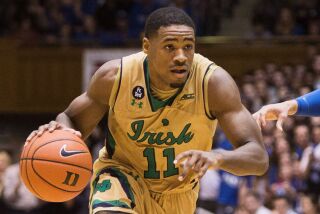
57 166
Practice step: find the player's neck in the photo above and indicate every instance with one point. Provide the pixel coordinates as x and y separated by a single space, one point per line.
162 94
158 89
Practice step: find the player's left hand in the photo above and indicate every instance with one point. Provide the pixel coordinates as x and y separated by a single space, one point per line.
197 161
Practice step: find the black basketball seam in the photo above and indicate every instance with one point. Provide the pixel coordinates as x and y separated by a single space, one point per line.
52 161
55 141
33 170
53 184
21 163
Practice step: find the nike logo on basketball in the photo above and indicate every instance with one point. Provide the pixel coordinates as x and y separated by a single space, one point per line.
67 153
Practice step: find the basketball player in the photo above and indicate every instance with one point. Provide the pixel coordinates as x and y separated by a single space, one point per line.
306 105
163 106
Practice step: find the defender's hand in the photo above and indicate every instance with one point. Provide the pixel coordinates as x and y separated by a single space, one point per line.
278 111
53 125
198 161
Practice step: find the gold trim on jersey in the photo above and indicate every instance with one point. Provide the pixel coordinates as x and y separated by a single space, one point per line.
207 76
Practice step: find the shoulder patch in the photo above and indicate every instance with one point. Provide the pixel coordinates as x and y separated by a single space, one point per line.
138 92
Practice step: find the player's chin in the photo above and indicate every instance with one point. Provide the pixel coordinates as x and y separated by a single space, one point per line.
177 84
178 80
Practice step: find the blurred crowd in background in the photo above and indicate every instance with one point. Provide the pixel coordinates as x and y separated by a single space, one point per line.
117 22
292 183
286 18
103 22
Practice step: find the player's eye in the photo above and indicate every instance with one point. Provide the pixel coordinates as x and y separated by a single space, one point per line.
188 47
169 47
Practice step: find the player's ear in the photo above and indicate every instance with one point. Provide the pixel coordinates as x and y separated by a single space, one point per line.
145 45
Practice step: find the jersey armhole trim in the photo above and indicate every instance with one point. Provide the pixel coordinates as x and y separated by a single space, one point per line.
114 93
211 68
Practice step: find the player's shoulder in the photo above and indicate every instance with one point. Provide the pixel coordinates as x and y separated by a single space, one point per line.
200 59
133 60
219 75
221 84
103 80
223 92
108 71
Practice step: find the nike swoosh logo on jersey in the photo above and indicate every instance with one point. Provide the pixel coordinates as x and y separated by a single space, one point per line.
67 153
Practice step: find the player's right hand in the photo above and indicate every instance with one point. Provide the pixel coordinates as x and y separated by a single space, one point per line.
197 161
50 127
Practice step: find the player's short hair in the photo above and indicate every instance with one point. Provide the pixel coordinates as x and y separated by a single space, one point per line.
164 17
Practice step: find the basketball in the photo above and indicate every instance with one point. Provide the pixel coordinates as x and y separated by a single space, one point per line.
56 166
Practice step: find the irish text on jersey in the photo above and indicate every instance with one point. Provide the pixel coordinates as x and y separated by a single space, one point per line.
159 138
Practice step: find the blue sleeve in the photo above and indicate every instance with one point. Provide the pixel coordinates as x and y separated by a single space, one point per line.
309 104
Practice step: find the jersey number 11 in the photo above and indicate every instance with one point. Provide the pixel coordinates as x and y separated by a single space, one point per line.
152 172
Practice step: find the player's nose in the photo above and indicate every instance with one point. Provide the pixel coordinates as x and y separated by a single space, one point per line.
180 57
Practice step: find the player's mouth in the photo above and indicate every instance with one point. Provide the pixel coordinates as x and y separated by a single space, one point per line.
179 73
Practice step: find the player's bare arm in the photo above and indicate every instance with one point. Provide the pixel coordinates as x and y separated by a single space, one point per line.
85 111
249 156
